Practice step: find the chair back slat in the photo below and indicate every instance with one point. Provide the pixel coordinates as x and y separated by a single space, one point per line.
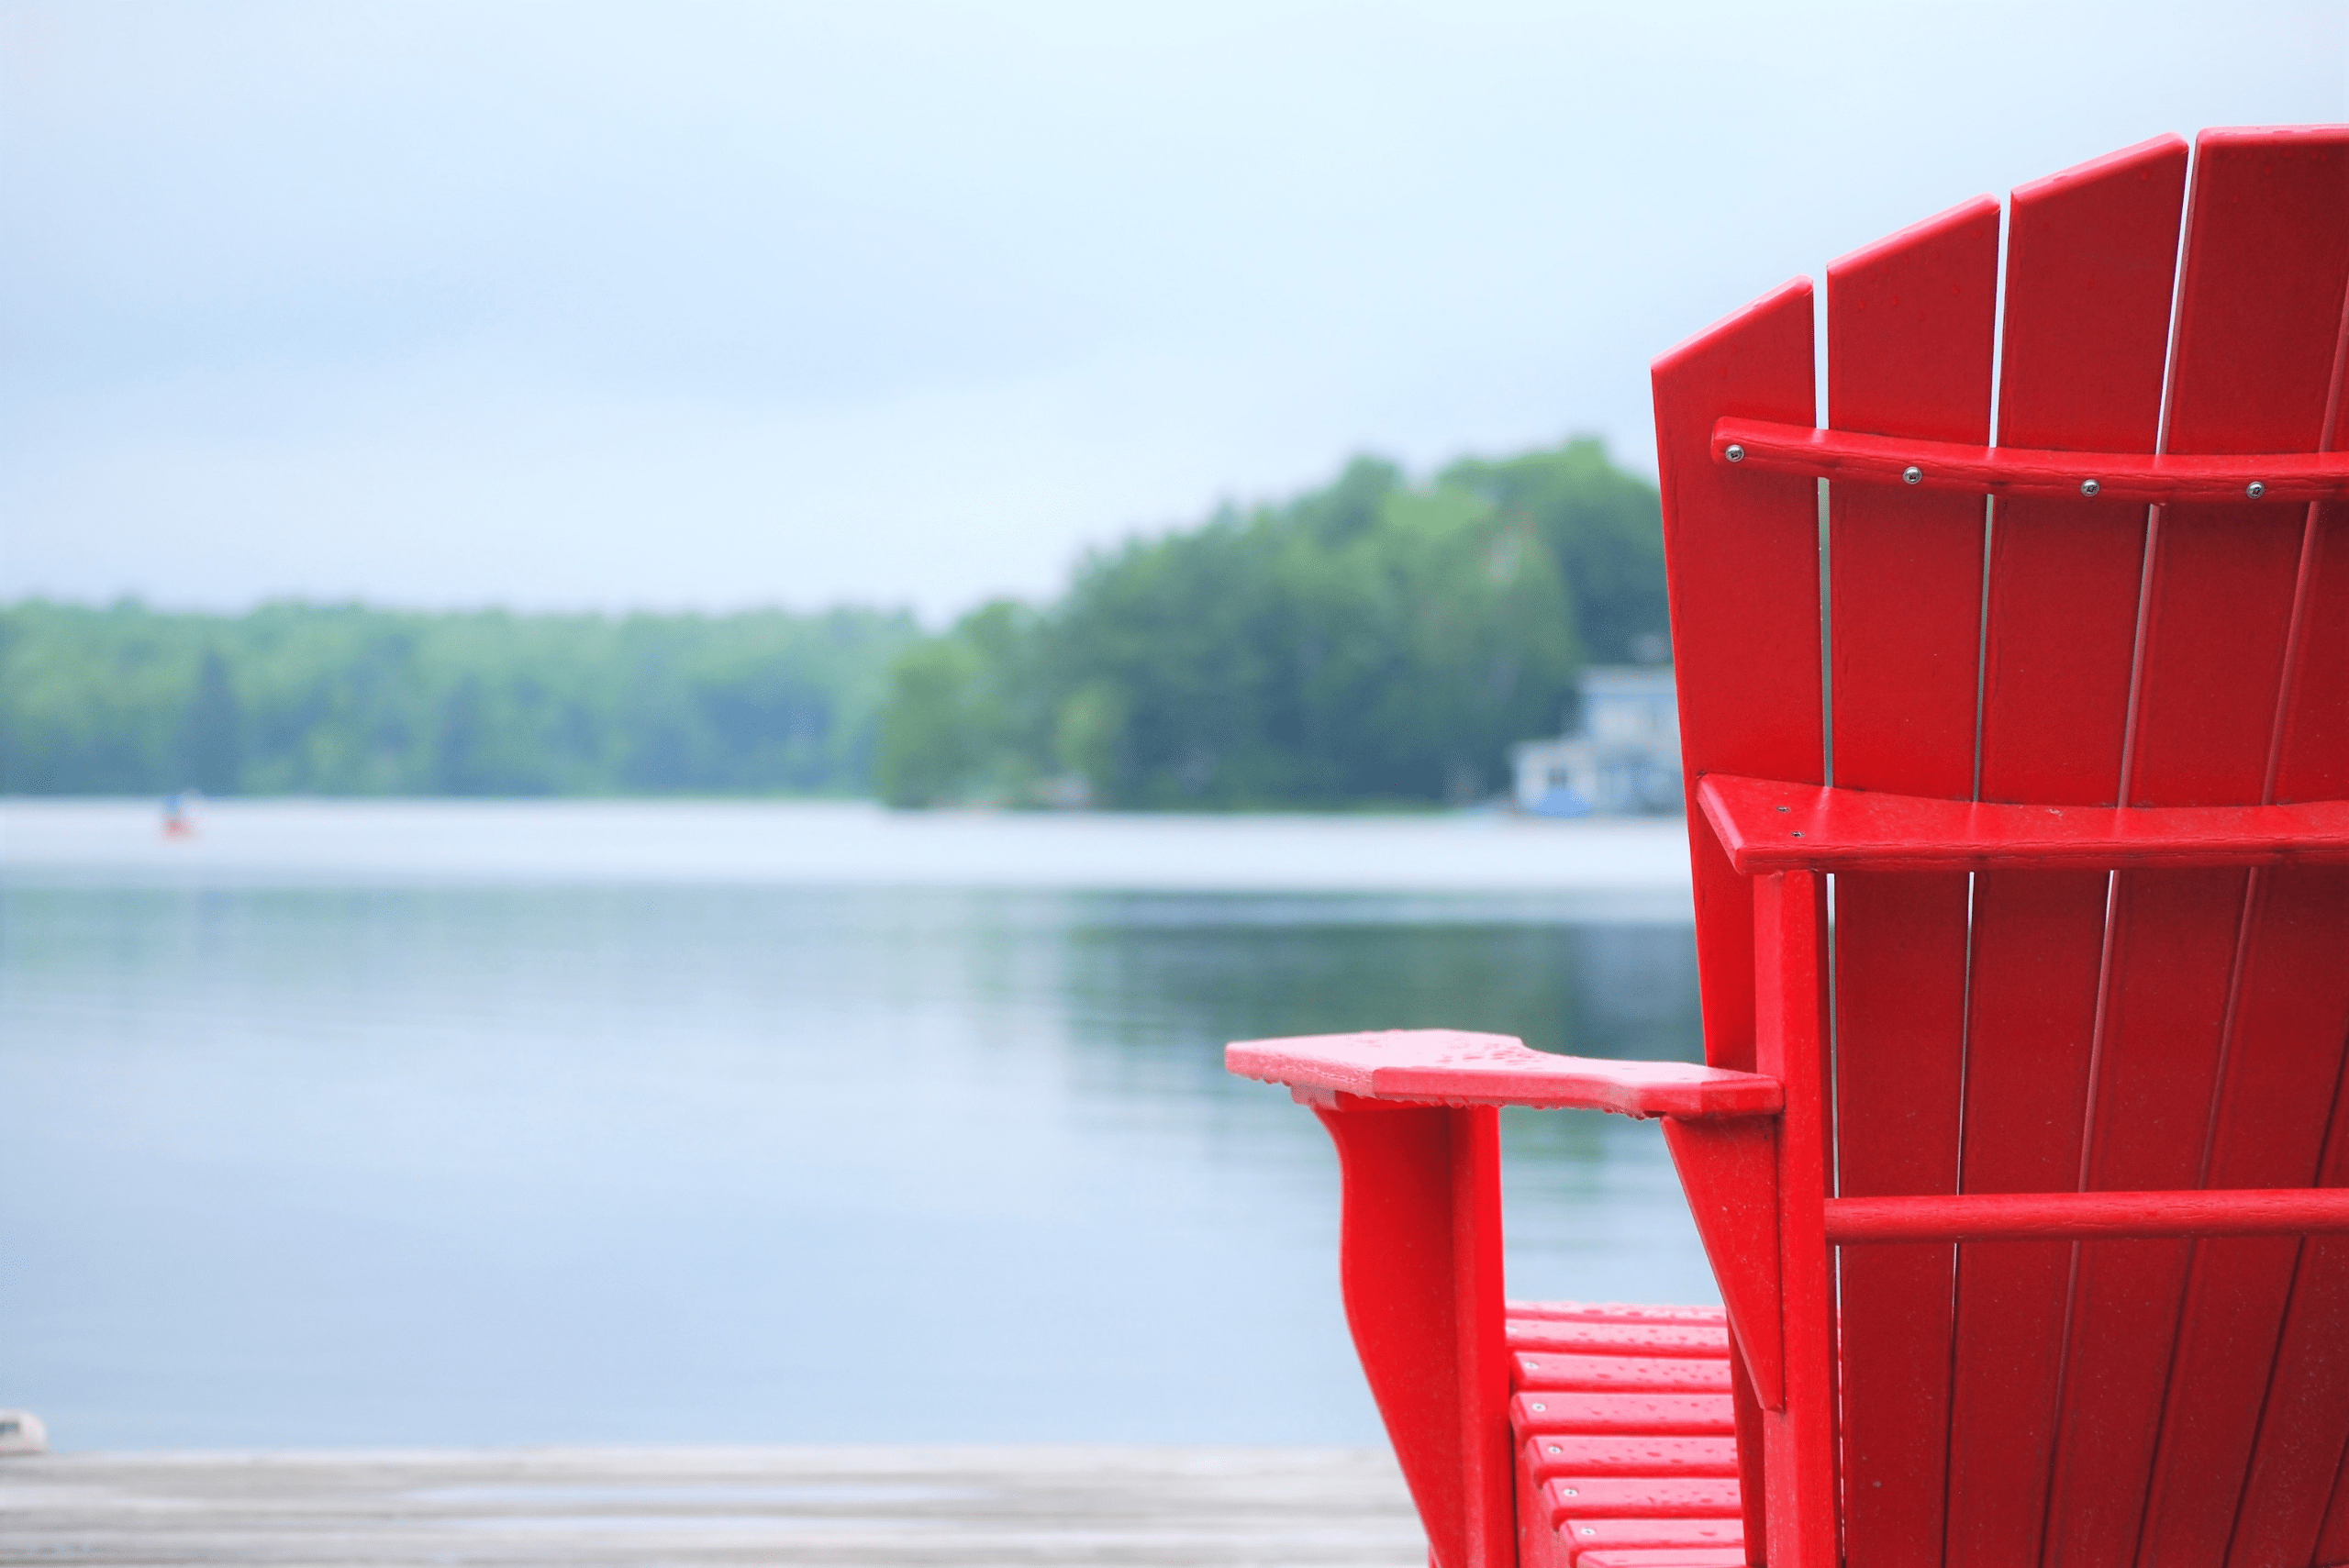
2180 1076
1743 559
2312 748
2090 262
2282 1057
2275 1098
1911 325
2304 1412
1742 556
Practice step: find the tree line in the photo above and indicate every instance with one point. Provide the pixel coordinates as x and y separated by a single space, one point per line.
343 699
1375 640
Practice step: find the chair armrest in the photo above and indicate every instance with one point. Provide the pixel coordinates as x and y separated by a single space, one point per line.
1453 1067
1766 826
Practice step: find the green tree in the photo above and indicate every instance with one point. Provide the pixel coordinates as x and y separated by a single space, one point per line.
967 715
930 749
1604 527
1371 640
212 736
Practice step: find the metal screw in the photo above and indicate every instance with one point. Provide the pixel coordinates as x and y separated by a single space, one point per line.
1798 832
1587 1530
2254 490
1541 1406
1554 1448
1785 808
1911 475
2089 487
1735 454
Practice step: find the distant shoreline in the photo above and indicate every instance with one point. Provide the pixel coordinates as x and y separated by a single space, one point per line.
1637 866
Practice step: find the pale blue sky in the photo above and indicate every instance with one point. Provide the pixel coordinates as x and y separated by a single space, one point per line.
705 305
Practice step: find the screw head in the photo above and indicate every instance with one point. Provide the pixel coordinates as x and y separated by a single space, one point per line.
1554 1448
2254 489
2089 487
1569 1490
1588 1530
1541 1406
1735 454
1797 833
1911 475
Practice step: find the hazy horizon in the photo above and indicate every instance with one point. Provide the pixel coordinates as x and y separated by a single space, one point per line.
620 307
930 620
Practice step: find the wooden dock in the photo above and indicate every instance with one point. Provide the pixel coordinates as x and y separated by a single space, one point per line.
843 1507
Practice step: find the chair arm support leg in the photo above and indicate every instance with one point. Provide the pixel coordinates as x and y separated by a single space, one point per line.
1419 1261
1729 1169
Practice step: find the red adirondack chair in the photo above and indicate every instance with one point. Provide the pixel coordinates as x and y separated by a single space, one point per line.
2024 1174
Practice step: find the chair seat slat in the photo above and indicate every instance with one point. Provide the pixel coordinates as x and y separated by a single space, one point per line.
1708 1340
1662 1415
1631 1456
1629 1497
1620 1373
1588 1536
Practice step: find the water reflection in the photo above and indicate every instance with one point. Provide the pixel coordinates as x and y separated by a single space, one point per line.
468 1164
1150 968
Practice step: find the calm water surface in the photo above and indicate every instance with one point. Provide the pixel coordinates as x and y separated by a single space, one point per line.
355 1163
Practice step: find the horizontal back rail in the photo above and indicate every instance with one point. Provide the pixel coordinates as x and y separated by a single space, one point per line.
2281 481
2085 1215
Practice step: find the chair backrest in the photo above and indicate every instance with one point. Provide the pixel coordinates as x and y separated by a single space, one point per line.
2020 1403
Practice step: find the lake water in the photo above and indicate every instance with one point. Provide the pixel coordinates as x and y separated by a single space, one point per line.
441 1124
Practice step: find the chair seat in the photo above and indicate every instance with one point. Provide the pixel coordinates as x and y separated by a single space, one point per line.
1621 1421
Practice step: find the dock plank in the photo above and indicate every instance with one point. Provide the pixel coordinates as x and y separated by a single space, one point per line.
852 1507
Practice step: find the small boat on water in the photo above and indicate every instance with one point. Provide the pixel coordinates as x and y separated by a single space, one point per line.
179 814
